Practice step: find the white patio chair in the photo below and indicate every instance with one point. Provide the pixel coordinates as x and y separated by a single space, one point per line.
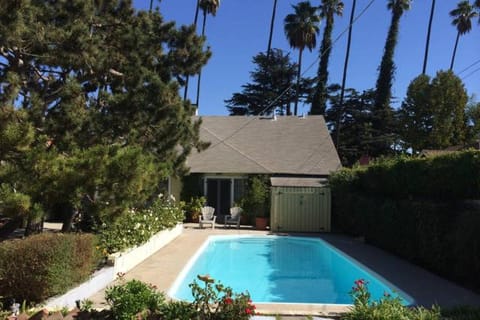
234 217
207 217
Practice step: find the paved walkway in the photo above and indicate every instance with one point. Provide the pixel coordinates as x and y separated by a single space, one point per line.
425 288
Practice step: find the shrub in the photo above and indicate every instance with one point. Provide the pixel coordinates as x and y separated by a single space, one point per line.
138 226
389 307
415 209
178 310
449 177
133 297
215 301
45 265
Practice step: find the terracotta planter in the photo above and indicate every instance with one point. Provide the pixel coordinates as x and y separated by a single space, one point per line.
261 223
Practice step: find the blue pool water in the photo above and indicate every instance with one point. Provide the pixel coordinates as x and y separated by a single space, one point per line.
280 270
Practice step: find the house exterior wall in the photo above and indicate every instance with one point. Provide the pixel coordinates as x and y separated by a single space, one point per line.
175 187
300 209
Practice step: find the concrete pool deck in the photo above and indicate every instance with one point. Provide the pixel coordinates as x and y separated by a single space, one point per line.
162 268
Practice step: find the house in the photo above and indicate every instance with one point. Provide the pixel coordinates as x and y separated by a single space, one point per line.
296 151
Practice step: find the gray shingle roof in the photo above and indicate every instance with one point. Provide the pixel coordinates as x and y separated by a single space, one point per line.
287 145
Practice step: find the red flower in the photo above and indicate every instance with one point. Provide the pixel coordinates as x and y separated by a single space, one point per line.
248 311
360 282
227 300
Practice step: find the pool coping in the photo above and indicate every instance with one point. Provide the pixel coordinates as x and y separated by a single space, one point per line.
294 307
163 268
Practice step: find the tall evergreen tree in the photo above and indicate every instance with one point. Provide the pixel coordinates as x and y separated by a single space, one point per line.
462 19
328 10
383 122
427 42
355 116
301 29
449 98
98 83
267 92
416 115
433 115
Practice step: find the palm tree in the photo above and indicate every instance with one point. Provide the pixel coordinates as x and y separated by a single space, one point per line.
345 68
427 44
301 29
195 21
328 9
208 7
462 19
272 22
383 114
387 65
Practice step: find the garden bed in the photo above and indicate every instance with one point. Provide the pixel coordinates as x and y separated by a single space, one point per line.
120 262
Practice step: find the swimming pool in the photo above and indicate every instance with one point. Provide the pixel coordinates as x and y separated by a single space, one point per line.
278 269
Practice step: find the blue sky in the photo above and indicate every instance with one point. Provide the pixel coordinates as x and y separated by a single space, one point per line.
240 31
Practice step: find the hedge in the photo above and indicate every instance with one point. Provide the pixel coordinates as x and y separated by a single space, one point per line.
450 177
416 209
45 265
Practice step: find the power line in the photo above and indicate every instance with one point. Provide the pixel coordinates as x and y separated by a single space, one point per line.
465 69
471 73
305 71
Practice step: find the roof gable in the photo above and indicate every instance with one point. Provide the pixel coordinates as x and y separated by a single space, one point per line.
285 145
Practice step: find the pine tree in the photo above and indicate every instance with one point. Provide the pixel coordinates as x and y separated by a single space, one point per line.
99 84
269 90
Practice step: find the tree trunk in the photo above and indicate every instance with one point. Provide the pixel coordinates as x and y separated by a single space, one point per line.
427 44
344 77
195 20
454 51
272 22
68 214
299 75
197 101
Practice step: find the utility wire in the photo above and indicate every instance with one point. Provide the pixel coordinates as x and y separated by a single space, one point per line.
471 73
475 63
305 71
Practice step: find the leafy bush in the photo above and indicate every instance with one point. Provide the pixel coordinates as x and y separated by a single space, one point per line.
415 208
388 307
449 177
133 297
178 310
462 313
215 301
45 265
138 226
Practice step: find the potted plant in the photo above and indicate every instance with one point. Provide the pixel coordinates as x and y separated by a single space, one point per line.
194 208
256 200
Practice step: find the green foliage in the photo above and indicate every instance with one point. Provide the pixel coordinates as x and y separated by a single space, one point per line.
194 207
139 225
462 313
382 124
473 122
414 208
133 297
388 307
103 99
351 121
328 10
45 265
449 98
416 115
448 177
214 301
270 79
178 310
257 196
